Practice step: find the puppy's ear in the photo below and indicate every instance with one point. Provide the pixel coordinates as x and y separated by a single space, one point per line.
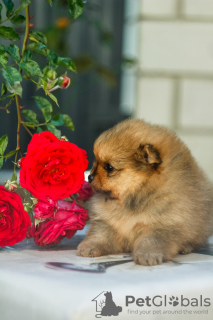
148 155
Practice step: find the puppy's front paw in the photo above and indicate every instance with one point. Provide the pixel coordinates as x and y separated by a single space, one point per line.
186 249
148 259
89 249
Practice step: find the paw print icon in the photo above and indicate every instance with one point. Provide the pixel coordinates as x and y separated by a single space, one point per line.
174 301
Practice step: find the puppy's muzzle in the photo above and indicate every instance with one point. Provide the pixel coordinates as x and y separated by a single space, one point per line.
91 178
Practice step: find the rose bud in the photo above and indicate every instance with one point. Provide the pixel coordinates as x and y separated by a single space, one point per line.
63 82
10 185
51 74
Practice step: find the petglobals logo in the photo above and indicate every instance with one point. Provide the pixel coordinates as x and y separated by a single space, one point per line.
105 305
164 301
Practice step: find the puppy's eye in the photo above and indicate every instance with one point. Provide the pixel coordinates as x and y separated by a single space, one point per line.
108 168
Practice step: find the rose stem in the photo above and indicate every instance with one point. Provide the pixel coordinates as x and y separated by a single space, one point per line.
25 127
26 36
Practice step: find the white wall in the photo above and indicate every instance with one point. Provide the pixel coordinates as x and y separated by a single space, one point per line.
175 74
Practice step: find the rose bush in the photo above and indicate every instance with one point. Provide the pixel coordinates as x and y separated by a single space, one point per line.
52 168
14 220
65 219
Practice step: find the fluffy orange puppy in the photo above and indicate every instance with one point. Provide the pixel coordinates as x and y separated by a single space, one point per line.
151 198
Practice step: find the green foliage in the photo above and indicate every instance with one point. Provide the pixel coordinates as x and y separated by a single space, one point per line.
25 3
13 51
14 87
68 122
38 36
31 67
8 33
53 129
30 116
3 89
18 19
3 58
63 120
3 146
67 63
17 65
0 11
9 7
75 8
13 79
50 2
10 154
45 106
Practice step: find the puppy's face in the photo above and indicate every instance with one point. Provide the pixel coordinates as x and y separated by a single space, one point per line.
122 164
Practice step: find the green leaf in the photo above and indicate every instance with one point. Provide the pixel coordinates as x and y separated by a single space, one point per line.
3 144
31 67
53 59
0 11
68 122
29 124
3 58
1 162
53 129
52 83
41 46
10 154
50 2
9 7
11 75
18 19
57 120
44 83
14 176
3 89
38 36
13 51
25 3
27 55
15 87
30 116
37 47
45 106
39 130
75 8
67 63
8 33
53 98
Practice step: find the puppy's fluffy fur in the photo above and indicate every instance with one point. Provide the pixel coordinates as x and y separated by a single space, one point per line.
151 198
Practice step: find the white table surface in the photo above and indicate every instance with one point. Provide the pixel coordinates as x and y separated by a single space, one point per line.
32 290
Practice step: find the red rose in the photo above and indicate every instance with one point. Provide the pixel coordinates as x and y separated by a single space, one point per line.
44 209
14 220
52 168
68 218
85 193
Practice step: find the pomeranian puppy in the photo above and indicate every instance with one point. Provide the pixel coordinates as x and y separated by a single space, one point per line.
151 198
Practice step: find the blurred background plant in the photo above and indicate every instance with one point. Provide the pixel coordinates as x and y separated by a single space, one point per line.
23 65
91 103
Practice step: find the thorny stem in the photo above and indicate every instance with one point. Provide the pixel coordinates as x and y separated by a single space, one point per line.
27 29
19 125
25 127
26 36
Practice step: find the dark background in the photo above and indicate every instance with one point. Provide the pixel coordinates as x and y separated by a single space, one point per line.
94 42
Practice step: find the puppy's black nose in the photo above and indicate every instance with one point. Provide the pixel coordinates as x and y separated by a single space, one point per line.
90 178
